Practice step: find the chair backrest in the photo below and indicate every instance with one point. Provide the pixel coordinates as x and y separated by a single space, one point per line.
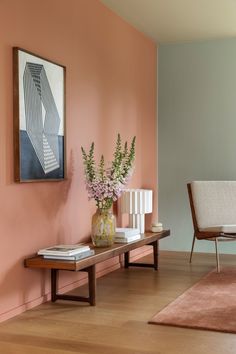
214 202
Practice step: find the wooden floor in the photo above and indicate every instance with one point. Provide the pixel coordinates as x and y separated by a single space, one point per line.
126 300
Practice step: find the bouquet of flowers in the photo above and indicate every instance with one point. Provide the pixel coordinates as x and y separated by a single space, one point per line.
105 184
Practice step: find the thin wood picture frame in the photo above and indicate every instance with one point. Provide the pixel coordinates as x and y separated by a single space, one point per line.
38 118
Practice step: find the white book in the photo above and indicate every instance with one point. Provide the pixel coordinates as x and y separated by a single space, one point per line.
64 250
127 239
126 231
76 257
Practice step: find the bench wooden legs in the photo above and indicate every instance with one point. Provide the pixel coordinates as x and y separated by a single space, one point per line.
137 264
91 299
92 285
54 275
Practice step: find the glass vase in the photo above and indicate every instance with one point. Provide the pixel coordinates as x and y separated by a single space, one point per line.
103 228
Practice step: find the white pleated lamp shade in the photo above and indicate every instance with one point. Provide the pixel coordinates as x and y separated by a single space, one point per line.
136 201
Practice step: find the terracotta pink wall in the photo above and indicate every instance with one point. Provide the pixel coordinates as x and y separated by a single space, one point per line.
111 88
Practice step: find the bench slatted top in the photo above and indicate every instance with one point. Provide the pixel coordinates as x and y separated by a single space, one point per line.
101 254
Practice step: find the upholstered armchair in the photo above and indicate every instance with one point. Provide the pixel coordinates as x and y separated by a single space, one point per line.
213 207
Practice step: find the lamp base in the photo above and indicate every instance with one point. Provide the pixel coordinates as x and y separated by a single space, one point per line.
137 221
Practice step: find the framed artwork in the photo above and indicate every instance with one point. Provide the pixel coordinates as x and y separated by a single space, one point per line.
39 118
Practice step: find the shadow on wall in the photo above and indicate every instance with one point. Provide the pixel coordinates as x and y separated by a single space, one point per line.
52 199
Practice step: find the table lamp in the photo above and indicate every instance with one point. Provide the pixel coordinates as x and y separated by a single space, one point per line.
136 203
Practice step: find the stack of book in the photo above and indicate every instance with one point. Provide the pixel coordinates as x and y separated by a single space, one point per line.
66 252
126 235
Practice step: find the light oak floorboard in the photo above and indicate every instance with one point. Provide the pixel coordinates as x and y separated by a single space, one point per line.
126 300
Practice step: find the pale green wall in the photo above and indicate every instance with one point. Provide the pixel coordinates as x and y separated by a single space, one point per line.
197 129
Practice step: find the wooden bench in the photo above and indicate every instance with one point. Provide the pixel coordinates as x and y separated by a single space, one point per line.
89 264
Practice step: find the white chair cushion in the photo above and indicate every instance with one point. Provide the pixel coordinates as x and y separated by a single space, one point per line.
228 229
214 203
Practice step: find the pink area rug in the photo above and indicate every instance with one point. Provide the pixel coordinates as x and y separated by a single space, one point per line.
210 304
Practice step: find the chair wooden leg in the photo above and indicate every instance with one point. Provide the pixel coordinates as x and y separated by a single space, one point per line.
191 254
217 256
